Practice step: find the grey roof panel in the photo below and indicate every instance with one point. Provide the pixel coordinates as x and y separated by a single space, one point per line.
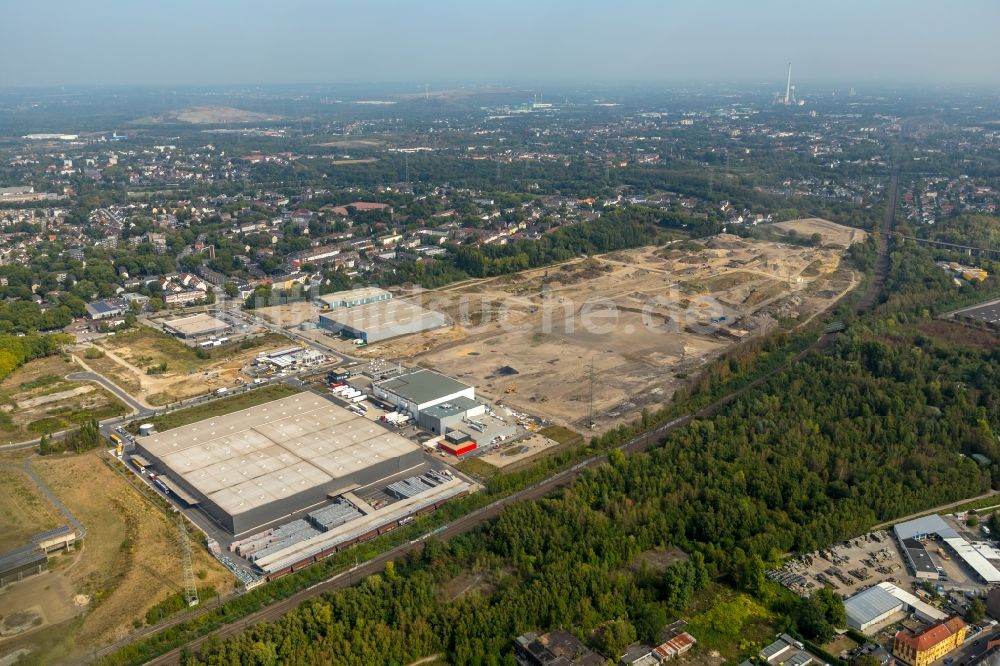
870 604
420 385
923 527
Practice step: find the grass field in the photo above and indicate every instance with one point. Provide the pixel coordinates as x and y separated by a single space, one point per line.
222 406
24 511
37 399
562 435
129 561
477 468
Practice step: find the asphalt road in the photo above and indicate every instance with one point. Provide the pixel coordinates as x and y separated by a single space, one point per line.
476 518
559 480
141 411
972 651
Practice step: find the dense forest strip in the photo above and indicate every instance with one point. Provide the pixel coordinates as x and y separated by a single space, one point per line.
819 452
562 479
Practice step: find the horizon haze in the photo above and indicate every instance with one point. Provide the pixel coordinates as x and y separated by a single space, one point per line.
306 41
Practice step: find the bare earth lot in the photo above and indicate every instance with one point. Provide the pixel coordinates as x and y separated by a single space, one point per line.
210 115
647 319
38 399
508 454
129 561
128 357
832 233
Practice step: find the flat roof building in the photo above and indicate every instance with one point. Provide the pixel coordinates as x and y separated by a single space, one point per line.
107 308
440 417
350 298
912 532
871 607
195 326
921 528
381 320
919 559
21 563
260 465
924 611
418 389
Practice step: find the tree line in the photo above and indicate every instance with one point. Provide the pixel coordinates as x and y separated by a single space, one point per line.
880 425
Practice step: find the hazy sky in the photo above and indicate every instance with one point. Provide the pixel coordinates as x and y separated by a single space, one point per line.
109 42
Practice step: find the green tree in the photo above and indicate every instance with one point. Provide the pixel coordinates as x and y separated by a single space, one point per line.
614 637
977 611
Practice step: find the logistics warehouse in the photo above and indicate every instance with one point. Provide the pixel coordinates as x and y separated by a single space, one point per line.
260 465
380 320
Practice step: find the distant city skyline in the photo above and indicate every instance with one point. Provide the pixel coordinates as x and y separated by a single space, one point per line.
186 42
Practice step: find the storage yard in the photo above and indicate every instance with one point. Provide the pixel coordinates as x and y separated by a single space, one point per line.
647 320
884 574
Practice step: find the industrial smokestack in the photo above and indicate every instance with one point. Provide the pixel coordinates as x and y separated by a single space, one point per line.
788 86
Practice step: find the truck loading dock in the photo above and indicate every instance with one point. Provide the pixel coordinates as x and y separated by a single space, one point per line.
259 465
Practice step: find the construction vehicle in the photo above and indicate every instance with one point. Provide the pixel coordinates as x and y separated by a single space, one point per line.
511 388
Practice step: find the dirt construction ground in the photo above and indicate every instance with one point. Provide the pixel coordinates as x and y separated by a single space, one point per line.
37 398
832 233
647 319
128 357
128 562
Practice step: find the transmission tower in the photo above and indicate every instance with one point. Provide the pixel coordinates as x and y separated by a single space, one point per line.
592 376
190 589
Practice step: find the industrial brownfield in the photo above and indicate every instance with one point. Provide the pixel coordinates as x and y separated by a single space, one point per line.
37 399
645 319
128 357
128 562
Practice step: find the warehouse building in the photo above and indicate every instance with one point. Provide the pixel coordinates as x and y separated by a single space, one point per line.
381 320
20 563
353 297
107 308
418 389
196 326
871 608
911 535
260 465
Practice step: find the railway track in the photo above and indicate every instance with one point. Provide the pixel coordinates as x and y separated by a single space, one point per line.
558 480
